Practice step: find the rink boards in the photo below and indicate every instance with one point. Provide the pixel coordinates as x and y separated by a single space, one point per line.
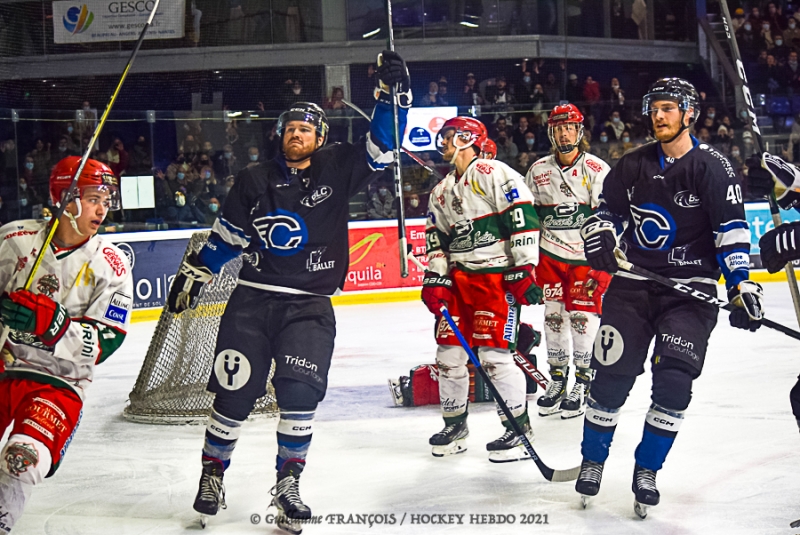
374 271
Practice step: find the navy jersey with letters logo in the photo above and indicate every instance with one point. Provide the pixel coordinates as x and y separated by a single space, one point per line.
682 218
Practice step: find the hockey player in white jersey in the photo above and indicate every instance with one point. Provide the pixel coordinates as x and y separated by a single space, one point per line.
74 317
482 238
566 186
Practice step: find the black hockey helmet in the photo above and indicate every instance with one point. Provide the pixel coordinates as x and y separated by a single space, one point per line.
674 89
307 112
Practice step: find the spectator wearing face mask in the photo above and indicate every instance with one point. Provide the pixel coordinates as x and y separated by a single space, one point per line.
791 35
748 145
28 198
775 18
736 158
253 157
602 146
750 41
766 35
381 204
791 72
501 101
627 142
780 50
62 150
431 98
213 209
614 126
414 207
507 151
226 163
179 173
117 157
42 162
531 147
519 132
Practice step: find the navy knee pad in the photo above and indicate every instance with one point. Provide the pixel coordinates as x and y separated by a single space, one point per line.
672 384
794 397
295 395
610 389
233 407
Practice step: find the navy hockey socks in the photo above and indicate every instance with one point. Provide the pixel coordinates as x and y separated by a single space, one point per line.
221 436
599 425
294 438
660 429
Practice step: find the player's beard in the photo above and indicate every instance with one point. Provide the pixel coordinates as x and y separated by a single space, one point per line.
666 134
296 152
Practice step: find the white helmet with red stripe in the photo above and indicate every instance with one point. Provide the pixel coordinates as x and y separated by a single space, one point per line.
562 115
468 132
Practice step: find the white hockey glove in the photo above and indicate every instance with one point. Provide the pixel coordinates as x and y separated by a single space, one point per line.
393 72
185 290
748 296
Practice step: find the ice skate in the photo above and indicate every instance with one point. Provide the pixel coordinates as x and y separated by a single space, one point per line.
575 403
550 402
588 483
451 440
645 491
211 494
509 447
291 509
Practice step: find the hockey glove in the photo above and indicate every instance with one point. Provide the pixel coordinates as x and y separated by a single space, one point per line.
595 284
521 283
185 290
28 312
748 297
599 243
527 338
769 173
393 72
436 288
780 246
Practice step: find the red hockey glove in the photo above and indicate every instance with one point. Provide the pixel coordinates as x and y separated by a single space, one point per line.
26 311
521 283
436 288
596 283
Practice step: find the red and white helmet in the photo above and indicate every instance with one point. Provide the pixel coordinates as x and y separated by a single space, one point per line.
489 150
468 132
561 115
95 175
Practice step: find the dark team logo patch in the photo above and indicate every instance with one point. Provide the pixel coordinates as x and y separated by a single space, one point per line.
317 196
282 233
655 227
686 199
48 285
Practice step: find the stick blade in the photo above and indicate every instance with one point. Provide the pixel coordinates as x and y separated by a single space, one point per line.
560 476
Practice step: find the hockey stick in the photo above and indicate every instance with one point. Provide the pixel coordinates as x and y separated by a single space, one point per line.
439 176
531 370
549 474
398 177
54 221
697 294
748 99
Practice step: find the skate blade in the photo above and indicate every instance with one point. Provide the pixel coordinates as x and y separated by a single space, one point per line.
397 395
454 448
795 524
640 509
203 521
295 527
566 415
549 411
585 500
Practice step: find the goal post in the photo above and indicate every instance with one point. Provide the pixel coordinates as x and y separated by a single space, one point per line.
171 387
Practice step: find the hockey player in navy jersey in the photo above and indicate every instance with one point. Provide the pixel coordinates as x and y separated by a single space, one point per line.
673 207
779 245
289 217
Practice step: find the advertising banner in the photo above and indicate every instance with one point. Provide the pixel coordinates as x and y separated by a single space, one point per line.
760 221
423 125
95 21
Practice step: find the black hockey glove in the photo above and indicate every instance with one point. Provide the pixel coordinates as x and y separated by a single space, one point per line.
393 72
748 297
186 286
767 173
780 246
599 243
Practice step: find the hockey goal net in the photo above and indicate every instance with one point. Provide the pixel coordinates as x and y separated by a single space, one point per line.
171 387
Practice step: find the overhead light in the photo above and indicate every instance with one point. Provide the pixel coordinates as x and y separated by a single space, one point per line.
234 114
216 72
367 35
469 24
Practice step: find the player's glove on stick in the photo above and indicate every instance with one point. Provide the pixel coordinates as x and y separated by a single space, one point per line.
527 338
780 246
748 296
393 72
436 288
770 172
185 291
596 283
521 283
599 242
26 311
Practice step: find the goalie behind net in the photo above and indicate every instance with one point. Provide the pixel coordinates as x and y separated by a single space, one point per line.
171 387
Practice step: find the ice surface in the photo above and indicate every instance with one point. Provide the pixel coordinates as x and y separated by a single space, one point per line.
734 467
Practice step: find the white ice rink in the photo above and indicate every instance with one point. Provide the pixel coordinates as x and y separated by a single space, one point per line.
734 467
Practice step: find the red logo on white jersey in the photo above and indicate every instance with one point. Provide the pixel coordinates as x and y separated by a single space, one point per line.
594 166
484 168
114 261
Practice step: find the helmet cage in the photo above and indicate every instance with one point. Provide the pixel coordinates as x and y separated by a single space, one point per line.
569 147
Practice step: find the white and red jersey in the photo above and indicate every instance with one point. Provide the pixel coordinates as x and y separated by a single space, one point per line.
565 197
483 221
92 281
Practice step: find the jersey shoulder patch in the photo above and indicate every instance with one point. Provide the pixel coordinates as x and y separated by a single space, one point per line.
113 256
22 228
596 165
718 162
118 308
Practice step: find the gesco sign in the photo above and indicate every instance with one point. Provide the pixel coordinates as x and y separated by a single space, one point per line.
94 21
